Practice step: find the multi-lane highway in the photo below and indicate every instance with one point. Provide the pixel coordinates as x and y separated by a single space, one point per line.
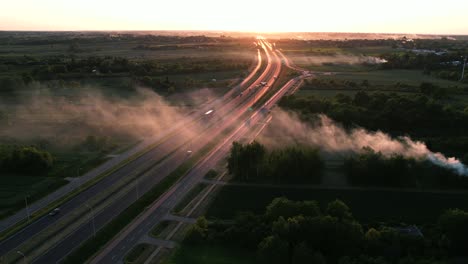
165 144
116 250
167 155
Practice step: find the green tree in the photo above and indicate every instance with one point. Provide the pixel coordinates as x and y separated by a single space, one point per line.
454 225
339 210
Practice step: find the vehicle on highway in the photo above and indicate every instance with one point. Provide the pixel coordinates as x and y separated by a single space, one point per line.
54 212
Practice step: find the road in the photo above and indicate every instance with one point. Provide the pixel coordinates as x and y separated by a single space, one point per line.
140 227
231 115
142 163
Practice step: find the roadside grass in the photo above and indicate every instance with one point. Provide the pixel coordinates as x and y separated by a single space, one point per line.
36 215
367 205
163 228
211 174
69 163
52 235
189 197
139 253
14 189
210 254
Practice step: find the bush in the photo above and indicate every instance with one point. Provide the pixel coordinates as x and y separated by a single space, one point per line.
26 160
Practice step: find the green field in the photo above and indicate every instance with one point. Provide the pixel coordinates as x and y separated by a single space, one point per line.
367 205
391 77
211 254
335 59
14 189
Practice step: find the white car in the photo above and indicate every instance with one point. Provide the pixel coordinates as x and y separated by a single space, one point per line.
54 212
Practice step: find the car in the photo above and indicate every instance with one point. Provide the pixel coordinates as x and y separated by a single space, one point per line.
54 212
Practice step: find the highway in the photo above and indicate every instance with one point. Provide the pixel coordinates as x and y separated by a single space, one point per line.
117 249
231 112
141 164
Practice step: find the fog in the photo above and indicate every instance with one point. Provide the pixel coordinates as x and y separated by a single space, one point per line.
287 128
63 120
337 59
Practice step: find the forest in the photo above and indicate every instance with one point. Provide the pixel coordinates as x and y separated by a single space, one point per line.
304 232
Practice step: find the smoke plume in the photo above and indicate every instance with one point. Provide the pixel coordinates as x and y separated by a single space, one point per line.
64 120
337 59
287 128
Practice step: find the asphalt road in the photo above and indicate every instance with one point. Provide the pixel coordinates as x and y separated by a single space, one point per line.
140 164
162 170
116 251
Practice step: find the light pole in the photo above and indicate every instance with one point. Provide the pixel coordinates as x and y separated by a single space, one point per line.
27 207
22 254
136 187
92 215
78 178
463 70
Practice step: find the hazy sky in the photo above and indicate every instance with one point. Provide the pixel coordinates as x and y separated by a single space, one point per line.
389 16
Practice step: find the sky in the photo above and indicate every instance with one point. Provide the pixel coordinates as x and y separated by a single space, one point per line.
389 16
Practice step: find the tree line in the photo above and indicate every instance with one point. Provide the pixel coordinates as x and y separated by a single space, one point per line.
385 111
296 232
253 162
25 160
372 168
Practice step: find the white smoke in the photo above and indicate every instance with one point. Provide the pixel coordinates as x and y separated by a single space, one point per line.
286 128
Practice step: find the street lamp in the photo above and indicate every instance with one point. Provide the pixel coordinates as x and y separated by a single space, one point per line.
92 215
27 207
22 254
463 70
78 178
136 187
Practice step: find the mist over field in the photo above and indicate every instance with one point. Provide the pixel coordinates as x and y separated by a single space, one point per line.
337 59
57 118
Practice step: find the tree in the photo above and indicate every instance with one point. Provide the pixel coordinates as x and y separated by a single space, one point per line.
372 242
305 255
339 210
28 160
197 232
283 207
273 250
454 225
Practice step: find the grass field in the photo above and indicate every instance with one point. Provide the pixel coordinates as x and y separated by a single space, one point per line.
394 81
189 197
210 254
367 205
391 77
14 189
162 229
335 59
